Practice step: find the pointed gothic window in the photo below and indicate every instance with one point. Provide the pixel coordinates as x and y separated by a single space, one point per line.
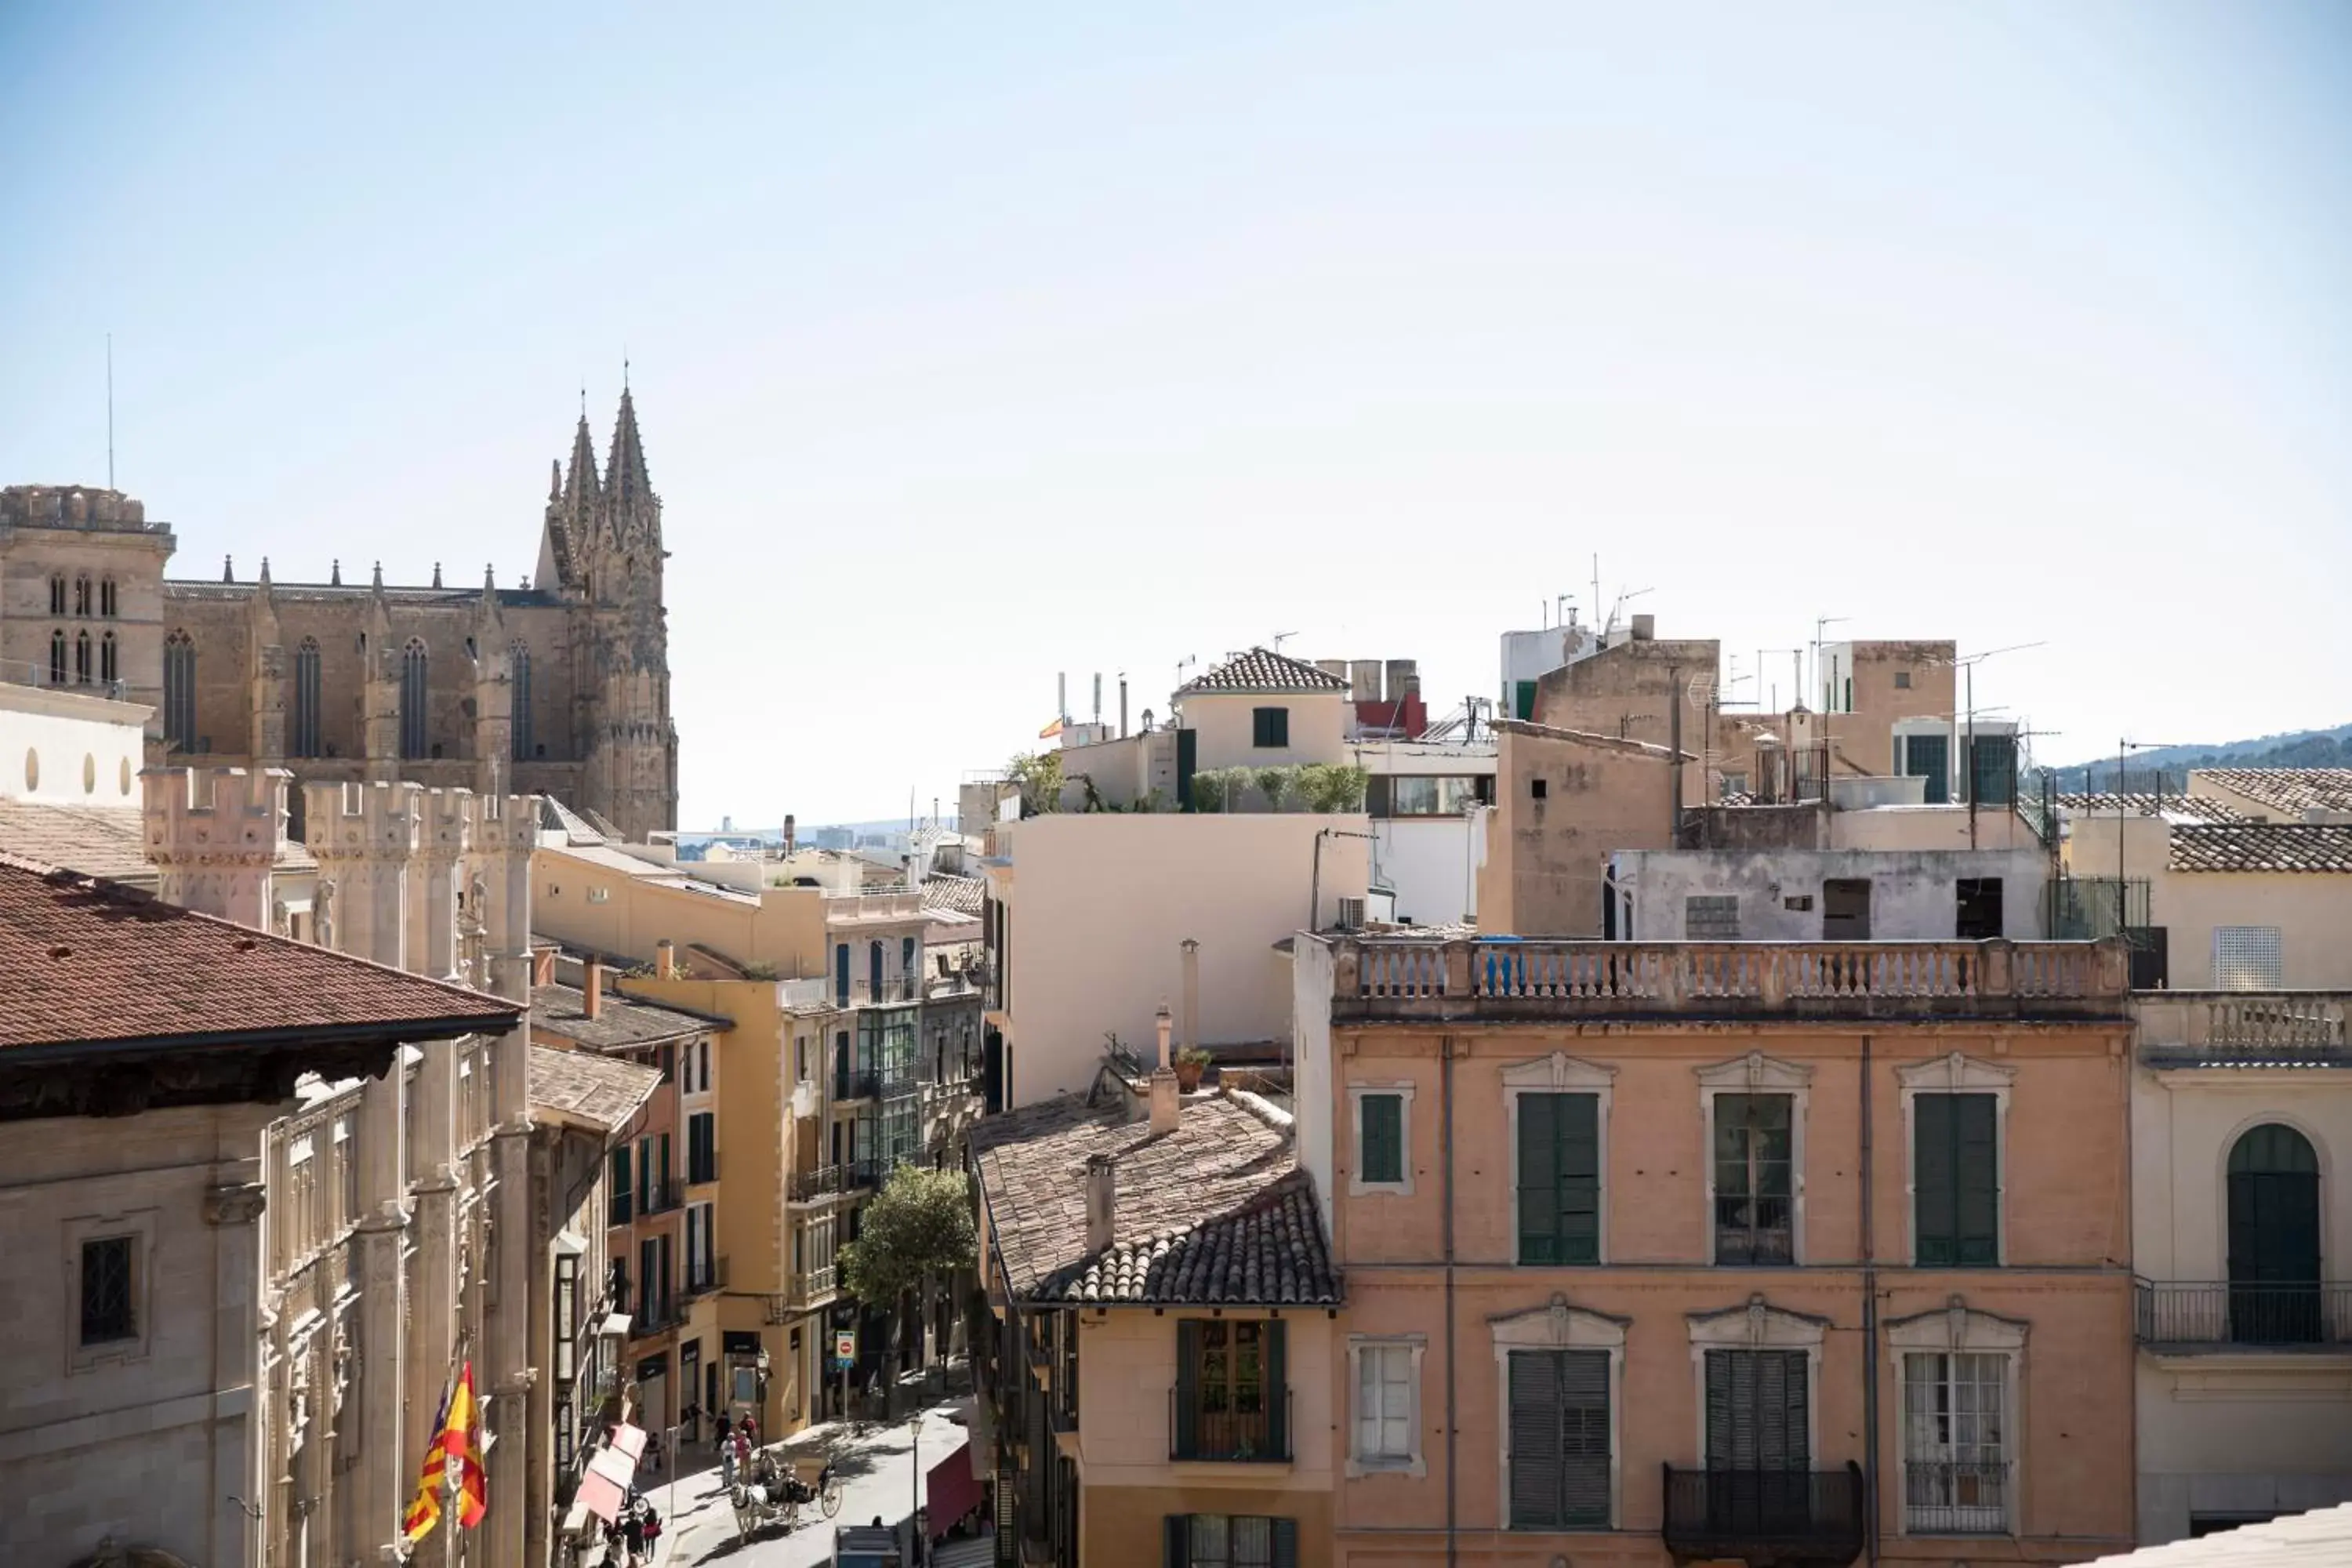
81 595
110 663
521 711
304 740
412 699
81 659
58 594
180 692
57 658
109 605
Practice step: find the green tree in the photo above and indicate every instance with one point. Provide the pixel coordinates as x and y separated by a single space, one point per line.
912 1234
1039 775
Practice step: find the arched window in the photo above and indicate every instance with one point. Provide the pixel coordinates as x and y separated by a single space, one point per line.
58 594
303 742
412 699
110 661
108 605
2274 1297
81 659
874 971
180 692
57 658
521 653
81 595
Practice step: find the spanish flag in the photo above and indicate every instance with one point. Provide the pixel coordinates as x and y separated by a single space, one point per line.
454 1460
1050 730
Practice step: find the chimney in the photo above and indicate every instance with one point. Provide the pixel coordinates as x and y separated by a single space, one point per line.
1102 1202
1191 951
788 835
1166 1107
592 988
1122 705
1097 697
1159 1021
664 960
1061 696
1645 628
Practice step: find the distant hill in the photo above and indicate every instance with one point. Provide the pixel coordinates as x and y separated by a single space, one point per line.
2300 749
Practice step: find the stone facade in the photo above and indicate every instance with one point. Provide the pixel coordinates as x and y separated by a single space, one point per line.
560 686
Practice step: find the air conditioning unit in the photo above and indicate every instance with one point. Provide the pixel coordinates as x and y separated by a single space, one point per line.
1351 913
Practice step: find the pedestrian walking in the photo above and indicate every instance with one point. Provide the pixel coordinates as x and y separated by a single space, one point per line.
726 1453
633 1531
653 1450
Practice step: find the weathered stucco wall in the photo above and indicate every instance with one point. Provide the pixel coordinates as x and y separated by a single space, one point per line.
1913 894
1548 854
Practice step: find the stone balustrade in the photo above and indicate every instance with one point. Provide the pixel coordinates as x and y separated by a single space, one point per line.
1505 979
2252 1028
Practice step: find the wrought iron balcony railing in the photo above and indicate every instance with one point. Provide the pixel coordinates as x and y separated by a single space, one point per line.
1765 1516
2215 1316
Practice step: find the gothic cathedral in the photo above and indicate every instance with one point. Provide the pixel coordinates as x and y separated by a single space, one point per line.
559 685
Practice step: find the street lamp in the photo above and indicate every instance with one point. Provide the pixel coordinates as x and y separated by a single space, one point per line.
915 1488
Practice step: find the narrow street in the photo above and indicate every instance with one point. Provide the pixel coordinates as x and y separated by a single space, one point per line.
876 1464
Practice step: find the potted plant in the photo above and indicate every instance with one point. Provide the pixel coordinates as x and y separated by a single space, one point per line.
1190 1062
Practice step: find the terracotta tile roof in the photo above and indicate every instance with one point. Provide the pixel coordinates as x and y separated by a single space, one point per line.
84 961
2262 846
581 1086
2290 790
108 841
620 1023
960 895
2180 807
1262 669
1214 1212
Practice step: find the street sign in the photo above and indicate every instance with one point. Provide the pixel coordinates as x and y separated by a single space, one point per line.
844 1346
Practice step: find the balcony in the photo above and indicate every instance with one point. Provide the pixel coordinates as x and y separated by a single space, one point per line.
813 1286
1766 1517
1502 979
2243 1028
863 1173
1955 1498
1198 1435
707 1280
816 1185
863 1085
661 1198
2192 1318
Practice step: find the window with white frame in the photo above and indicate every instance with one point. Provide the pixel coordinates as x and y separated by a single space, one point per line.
1560 1146
1958 1390
1560 1369
1383 1123
109 1277
1386 1377
2246 958
1755 1110
1955 1131
1756 1368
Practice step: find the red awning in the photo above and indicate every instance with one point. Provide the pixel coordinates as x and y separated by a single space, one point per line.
605 1488
630 1440
951 1490
601 1496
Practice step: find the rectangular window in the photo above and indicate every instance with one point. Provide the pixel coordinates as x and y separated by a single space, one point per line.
109 1309
1270 727
622 1191
1428 794
1711 917
1229 1541
702 1052
1379 1139
701 1147
1232 1390
1845 909
1980 909
1558 1435
1929 758
1956 1180
1955 1443
1753 1179
1757 1411
1384 1422
2246 958
1902 680
1559 1178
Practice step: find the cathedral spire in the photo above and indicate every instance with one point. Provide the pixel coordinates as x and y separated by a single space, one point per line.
581 488
625 472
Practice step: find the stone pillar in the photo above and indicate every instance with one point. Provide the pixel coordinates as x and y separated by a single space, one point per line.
445 838
505 832
232 1210
381 713
214 835
493 695
365 838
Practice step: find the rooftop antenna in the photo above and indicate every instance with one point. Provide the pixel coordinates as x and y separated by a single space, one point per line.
109 411
1279 637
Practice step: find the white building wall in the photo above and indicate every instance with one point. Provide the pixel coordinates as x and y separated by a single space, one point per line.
69 748
1428 861
1914 896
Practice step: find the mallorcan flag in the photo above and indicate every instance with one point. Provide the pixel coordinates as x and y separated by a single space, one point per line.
452 1459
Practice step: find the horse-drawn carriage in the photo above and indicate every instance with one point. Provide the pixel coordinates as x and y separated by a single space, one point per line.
772 1492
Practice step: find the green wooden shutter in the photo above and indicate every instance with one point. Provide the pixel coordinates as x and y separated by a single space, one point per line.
1278 1387
1796 1409
1579 1178
1381 1157
1934 1180
1175 1541
1285 1543
1976 1186
1539 1182
1536 1502
621 1185
1187 1386
1584 1439
1722 1419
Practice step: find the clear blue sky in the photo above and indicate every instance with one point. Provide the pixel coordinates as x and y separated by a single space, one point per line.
977 343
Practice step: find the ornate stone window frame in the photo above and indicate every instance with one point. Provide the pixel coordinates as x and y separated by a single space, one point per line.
1955 1329
1560 1073
1758 1325
1955 1074
139 1224
1558 1326
1356 1186
1757 1073
1416 1465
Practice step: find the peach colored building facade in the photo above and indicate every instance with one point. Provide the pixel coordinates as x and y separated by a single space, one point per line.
1696 1251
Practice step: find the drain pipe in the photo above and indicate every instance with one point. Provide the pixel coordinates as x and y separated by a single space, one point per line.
1869 1334
1445 1153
